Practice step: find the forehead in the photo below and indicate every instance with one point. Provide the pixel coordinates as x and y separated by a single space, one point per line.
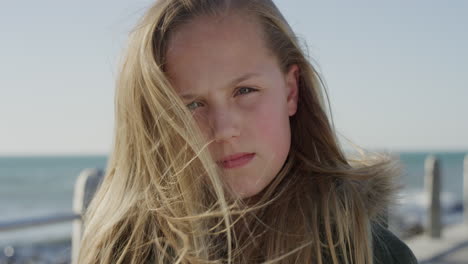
209 50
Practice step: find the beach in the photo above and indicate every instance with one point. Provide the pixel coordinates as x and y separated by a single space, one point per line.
50 252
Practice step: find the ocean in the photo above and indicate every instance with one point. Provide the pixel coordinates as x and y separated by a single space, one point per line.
43 185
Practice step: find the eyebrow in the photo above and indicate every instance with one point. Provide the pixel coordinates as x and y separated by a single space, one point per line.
231 83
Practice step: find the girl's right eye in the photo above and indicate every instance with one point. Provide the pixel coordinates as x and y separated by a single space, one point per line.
194 105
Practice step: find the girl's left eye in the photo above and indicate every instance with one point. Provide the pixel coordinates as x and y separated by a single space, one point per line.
246 90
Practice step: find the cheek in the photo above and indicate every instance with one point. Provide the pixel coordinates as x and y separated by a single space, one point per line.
202 122
271 127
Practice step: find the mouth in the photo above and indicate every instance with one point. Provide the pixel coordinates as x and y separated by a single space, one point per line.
236 161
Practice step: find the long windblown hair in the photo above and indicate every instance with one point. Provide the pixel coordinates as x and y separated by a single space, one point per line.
162 199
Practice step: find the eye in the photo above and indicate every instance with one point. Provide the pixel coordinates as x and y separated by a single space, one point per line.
246 90
194 105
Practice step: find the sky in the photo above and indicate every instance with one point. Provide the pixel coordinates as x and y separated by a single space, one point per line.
396 71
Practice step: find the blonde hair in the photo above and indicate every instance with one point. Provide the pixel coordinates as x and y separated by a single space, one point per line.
162 200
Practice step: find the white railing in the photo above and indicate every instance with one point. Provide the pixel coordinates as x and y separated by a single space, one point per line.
85 186
11 225
433 186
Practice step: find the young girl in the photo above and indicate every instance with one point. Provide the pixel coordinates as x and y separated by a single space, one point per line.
224 152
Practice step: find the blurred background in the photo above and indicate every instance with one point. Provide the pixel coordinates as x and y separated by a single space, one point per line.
395 74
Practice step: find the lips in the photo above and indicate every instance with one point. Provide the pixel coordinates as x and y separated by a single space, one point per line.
237 160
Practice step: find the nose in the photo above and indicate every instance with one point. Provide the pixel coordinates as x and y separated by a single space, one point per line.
224 124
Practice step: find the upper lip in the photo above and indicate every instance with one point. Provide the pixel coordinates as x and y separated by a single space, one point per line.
234 156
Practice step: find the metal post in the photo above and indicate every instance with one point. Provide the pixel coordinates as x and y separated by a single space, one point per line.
465 188
85 187
433 187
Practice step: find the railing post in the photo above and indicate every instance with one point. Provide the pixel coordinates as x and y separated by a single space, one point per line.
432 183
85 186
465 188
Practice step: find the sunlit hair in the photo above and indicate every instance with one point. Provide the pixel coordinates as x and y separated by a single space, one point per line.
162 199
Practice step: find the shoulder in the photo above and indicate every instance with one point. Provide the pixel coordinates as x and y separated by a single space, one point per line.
389 249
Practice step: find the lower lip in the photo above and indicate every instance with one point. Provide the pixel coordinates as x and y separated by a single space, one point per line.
239 162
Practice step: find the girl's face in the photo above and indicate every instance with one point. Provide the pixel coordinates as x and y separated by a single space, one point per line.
238 95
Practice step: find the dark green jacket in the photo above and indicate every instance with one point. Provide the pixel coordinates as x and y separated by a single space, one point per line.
389 249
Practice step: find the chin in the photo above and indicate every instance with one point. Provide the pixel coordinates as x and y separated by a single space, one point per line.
244 193
246 188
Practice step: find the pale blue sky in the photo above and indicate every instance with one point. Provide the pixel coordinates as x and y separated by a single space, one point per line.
397 72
